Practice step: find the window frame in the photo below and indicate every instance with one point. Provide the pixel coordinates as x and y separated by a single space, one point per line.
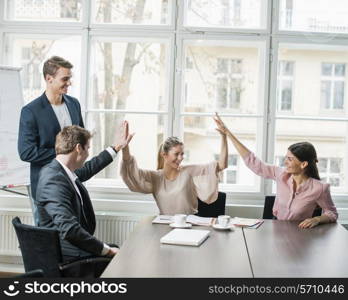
179 33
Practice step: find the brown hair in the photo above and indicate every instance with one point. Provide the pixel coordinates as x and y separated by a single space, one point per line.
168 144
305 151
52 65
69 137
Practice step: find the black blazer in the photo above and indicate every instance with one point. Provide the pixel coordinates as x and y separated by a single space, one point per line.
38 128
59 206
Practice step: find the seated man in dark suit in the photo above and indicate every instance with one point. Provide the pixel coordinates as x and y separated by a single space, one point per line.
62 200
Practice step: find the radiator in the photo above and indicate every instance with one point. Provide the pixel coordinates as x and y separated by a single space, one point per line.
110 229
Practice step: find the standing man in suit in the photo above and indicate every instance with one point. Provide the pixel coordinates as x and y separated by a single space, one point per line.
63 202
44 117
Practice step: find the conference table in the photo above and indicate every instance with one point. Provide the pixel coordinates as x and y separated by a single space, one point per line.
275 249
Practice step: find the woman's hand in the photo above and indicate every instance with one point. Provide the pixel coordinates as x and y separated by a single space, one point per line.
222 129
310 223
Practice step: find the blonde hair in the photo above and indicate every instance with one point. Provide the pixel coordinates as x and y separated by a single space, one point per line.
165 147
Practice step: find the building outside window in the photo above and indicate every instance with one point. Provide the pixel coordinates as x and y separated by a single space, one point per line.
229 83
331 171
285 85
333 85
230 174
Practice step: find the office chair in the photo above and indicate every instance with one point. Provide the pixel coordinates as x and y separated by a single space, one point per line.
268 209
214 209
32 274
41 249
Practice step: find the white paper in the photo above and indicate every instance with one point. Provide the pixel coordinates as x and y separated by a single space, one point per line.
195 220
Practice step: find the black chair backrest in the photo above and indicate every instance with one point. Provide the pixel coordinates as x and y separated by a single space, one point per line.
40 248
268 208
214 209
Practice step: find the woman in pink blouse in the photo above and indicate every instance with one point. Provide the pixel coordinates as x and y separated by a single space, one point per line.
299 189
175 187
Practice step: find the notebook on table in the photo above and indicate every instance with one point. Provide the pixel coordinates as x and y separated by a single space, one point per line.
190 237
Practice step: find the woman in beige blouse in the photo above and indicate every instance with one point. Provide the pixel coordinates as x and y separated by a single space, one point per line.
175 187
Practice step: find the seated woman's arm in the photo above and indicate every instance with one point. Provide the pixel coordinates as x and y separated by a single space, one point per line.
329 214
223 159
252 162
136 179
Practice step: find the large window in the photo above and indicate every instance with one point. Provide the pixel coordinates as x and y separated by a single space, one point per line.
167 65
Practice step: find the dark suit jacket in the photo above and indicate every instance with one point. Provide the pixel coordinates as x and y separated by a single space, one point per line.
59 206
38 128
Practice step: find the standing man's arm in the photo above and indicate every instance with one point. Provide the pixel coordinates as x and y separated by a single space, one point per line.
28 140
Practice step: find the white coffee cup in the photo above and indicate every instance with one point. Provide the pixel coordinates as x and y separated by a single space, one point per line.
224 220
180 219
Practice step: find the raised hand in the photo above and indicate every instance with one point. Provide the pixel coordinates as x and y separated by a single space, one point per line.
222 129
122 136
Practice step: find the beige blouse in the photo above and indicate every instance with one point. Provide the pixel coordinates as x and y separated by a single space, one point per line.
178 195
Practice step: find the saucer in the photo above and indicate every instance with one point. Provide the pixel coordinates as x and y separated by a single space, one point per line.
186 225
219 227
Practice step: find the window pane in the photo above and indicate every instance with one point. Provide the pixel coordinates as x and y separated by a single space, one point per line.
314 79
286 95
222 93
123 72
132 12
44 10
225 75
287 68
339 95
326 69
232 160
340 69
322 165
326 93
226 13
334 181
335 165
203 142
144 145
314 15
231 177
328 137
30 52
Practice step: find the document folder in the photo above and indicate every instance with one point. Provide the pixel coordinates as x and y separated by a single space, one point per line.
190 237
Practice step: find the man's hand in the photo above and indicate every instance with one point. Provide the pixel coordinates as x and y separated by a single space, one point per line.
310 223
122 136
112 252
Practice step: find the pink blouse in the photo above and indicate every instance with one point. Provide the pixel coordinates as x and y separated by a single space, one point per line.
290 205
